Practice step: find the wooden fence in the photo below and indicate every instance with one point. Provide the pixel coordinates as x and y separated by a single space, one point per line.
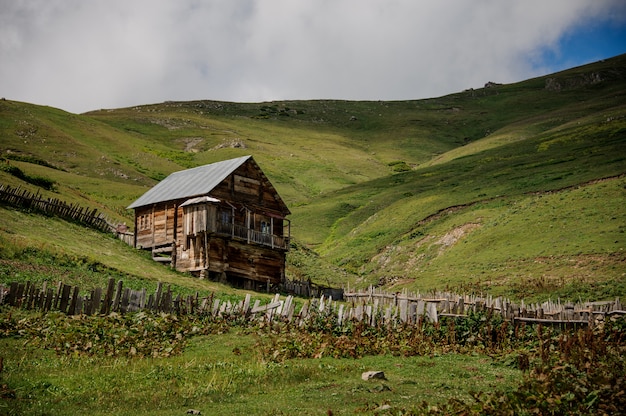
114 298
25 199
128 238
438 304
308 289
372 307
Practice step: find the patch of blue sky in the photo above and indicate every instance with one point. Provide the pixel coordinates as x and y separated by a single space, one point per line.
584 44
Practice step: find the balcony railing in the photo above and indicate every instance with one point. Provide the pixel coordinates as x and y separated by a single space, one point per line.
241 232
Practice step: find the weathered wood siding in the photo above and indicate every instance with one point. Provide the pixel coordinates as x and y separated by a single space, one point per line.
154 225
255 262
198 218
143 227
248 185
191 257
236 259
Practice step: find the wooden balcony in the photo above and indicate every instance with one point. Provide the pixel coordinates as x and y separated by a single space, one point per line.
251 236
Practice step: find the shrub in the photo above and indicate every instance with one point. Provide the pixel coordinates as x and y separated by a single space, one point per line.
40 181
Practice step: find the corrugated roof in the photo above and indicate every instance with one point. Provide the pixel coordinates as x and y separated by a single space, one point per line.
199 200
190 182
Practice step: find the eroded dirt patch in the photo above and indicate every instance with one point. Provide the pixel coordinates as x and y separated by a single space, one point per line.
452 237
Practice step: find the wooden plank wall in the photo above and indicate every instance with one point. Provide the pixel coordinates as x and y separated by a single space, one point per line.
157 229
248 185
255 262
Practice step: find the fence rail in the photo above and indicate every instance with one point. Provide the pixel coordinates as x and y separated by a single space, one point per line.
52 206
370 307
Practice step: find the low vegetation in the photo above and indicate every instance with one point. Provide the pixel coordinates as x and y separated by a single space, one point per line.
165 364
39 181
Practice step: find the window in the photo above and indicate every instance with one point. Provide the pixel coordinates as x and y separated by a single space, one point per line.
144 222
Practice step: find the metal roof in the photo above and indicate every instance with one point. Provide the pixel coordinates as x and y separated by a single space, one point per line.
189 183
199 200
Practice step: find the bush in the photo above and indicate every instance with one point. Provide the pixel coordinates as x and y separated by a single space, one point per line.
572 373
40 181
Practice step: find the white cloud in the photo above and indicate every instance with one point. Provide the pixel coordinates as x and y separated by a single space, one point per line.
80 55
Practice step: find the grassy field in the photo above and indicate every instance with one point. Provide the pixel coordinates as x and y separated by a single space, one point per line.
226 374
162 364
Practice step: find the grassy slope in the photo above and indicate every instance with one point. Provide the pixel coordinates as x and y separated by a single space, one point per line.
37 248
574 138
226 374
337 164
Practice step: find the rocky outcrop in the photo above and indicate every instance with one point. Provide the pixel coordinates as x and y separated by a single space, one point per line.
583 80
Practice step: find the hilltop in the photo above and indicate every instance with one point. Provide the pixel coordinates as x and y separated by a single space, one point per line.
515 189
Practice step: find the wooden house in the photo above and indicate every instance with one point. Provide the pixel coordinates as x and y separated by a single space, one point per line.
224 220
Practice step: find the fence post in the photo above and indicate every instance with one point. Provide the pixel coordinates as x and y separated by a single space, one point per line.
118 295
74 302
11 297
431 311
157 296
57 297
49 299
65 297
95 300
108 298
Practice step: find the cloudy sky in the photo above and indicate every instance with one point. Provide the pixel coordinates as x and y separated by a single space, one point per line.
82 55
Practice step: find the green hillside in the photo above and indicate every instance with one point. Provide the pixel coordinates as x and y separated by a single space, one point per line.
515 189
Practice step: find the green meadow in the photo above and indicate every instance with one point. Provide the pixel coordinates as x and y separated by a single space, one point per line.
211 378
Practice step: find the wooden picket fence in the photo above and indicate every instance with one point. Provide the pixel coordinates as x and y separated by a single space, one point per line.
308 289
436 304
33 201
114 298
370 306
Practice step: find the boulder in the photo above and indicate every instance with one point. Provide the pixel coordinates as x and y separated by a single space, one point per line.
378 375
